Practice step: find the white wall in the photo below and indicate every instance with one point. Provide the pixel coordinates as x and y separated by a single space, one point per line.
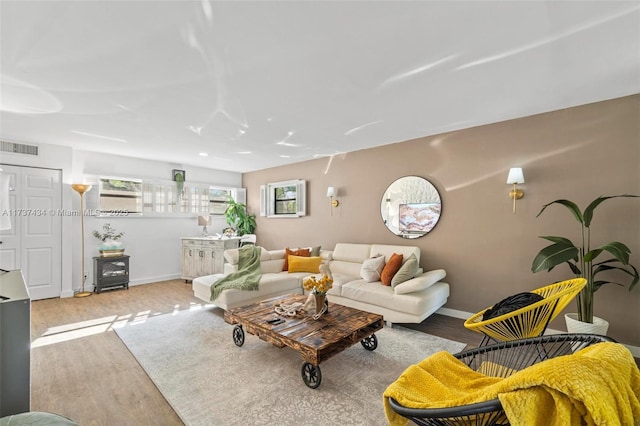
152 242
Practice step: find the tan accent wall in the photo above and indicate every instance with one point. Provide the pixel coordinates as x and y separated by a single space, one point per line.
577 153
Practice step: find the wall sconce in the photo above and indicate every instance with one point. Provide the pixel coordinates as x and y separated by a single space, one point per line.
203 221
515 177
332 192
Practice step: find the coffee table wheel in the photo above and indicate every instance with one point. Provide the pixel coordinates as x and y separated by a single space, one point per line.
370 343
238 335
311 375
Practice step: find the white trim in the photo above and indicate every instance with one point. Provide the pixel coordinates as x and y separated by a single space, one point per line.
635 350
150 280
454 313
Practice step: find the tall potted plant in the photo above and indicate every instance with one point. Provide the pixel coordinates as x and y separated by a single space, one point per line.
238 218
582 258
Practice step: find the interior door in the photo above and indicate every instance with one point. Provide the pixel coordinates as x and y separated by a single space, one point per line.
34 242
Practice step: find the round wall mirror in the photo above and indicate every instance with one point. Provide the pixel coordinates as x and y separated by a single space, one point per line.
410 207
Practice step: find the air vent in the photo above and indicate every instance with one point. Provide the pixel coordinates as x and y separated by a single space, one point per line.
18 148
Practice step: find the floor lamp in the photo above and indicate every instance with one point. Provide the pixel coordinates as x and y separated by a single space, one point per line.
81 189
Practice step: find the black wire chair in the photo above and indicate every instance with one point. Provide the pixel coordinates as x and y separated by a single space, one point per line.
498 360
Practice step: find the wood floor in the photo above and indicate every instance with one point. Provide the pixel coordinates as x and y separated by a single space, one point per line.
81 369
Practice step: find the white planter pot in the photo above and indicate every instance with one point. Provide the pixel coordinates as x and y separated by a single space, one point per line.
599 325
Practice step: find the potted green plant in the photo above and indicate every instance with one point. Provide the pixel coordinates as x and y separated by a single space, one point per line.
582 259
238 218
178 177
109 240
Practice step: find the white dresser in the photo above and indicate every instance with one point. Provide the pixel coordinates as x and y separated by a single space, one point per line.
204 255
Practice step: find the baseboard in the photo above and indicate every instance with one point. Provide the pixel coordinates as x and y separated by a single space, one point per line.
454 313
635 350
150 280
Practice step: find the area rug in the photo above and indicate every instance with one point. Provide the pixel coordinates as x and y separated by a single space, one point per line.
208 380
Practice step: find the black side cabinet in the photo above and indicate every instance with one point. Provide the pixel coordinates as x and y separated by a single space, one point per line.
111 271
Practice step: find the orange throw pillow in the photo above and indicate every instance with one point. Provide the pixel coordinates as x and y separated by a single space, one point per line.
300 252
390 269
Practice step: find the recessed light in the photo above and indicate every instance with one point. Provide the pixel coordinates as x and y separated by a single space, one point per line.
203 154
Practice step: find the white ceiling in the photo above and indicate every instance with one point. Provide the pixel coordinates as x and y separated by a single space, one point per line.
266 83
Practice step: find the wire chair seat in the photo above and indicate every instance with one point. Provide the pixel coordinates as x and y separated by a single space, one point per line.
498 360
531 320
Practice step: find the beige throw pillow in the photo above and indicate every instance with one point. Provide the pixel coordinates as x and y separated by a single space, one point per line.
372 268
407 271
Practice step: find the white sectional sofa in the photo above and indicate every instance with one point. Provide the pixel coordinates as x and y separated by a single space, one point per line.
410 301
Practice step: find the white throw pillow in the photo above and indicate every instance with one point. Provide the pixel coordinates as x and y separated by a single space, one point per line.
372 268
420 283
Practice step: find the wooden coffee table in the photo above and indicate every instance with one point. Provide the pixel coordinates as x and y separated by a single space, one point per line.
316 340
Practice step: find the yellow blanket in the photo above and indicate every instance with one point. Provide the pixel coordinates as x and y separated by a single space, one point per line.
598 385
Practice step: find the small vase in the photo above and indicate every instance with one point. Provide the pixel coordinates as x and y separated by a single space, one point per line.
111 248
321 301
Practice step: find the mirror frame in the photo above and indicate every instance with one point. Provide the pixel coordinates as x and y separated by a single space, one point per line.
424 200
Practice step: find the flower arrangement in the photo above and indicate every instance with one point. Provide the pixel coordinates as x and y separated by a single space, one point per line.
108 238
320 286
108 234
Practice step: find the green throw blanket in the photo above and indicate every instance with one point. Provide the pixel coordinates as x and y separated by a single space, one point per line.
246 277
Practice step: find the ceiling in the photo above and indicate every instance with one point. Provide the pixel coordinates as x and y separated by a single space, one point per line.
267 83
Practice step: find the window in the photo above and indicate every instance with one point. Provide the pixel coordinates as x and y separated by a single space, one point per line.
218 199
283 199
118 195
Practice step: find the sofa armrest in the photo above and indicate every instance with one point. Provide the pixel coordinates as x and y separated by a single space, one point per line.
421 282
229 268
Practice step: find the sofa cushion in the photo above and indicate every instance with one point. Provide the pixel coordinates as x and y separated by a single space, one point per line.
269 284
408 270
372 268
314 251
299 252
381 295
271 266
421 282
304 264
348 252
390 268
338 281
232 255
326 255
